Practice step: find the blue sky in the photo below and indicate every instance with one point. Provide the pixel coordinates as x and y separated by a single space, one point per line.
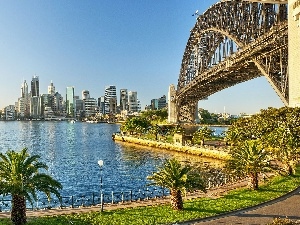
88 44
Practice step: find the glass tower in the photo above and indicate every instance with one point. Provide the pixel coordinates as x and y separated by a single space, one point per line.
70 102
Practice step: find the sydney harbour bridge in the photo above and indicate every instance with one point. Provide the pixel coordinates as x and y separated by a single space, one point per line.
232 42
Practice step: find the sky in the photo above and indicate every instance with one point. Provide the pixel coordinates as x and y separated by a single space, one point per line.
90 44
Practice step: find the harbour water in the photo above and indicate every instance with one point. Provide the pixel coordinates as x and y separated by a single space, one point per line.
72 150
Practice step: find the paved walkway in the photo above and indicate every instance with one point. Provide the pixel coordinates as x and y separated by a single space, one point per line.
285 206
213 193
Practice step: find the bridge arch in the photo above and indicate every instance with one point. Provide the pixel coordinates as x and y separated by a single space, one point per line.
213 58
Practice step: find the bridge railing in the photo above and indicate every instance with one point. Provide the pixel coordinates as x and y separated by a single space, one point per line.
214 180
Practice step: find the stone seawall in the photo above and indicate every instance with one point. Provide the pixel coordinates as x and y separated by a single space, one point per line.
200 151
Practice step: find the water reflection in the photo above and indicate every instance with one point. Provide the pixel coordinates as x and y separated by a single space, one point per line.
72 150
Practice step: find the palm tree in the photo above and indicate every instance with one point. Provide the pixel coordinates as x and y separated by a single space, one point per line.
177 178
249 159
20 178
200 135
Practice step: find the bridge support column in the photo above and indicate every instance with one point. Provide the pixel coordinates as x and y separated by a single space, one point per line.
294 52
172 110
187 112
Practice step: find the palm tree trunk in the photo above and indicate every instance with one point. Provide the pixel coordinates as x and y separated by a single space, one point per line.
254 181
290 170
18 212
176 199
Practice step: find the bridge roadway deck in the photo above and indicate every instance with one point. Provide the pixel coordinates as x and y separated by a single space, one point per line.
285 206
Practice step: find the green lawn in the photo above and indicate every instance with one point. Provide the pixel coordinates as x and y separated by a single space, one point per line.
198 208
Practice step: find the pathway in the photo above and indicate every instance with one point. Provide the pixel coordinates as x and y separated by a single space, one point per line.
285 206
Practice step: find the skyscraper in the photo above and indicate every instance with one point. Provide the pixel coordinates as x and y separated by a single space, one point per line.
110 99
123 99
132 101
24 90
101 104
85 94
51 89
23 101
35 101
35 86
70 102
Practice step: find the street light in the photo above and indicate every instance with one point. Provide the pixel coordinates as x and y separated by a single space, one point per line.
100 163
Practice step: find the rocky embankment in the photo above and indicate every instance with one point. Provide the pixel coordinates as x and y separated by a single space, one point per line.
207 151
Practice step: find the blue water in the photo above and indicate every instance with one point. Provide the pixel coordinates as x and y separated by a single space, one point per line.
72 150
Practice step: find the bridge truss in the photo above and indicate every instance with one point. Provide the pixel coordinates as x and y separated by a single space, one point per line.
233 42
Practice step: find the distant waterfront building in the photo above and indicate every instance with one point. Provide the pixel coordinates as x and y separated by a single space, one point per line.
162 102
9 112
23 101
101 105
154 104
35 107
46 102
85 94
148 107
48 113
123 99
139 106
79 104
35 86
132 101
21 109
110 99
90 106
159 103
35 100
57 103
51 89
24 89
70 102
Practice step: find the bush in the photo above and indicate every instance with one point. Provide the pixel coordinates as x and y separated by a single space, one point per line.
285 221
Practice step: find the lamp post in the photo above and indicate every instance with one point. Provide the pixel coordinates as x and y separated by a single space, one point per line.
100 163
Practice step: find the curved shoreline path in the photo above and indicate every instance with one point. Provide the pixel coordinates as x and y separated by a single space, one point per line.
284 206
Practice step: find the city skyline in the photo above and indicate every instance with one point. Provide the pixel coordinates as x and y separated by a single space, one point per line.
92 44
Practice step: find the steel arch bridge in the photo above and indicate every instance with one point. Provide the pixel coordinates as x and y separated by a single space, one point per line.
232 42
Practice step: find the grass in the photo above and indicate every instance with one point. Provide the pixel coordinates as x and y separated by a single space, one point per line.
197 208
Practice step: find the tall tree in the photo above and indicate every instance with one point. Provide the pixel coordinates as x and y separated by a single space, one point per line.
277 129
200 135
135 124
20 177
177 178
249 159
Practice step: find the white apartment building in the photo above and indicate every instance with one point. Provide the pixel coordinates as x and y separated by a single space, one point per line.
110 98
90 106
133 105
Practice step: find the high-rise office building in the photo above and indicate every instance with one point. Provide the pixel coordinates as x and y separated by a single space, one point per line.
90 106
57 103
24 90
35 100
162 102
23 101
110 99
85 94
123 99
154 104
35 86
101 105
51 89
70 101
159 103
132 101
35 107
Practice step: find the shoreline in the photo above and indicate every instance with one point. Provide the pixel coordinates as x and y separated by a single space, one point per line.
211 152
